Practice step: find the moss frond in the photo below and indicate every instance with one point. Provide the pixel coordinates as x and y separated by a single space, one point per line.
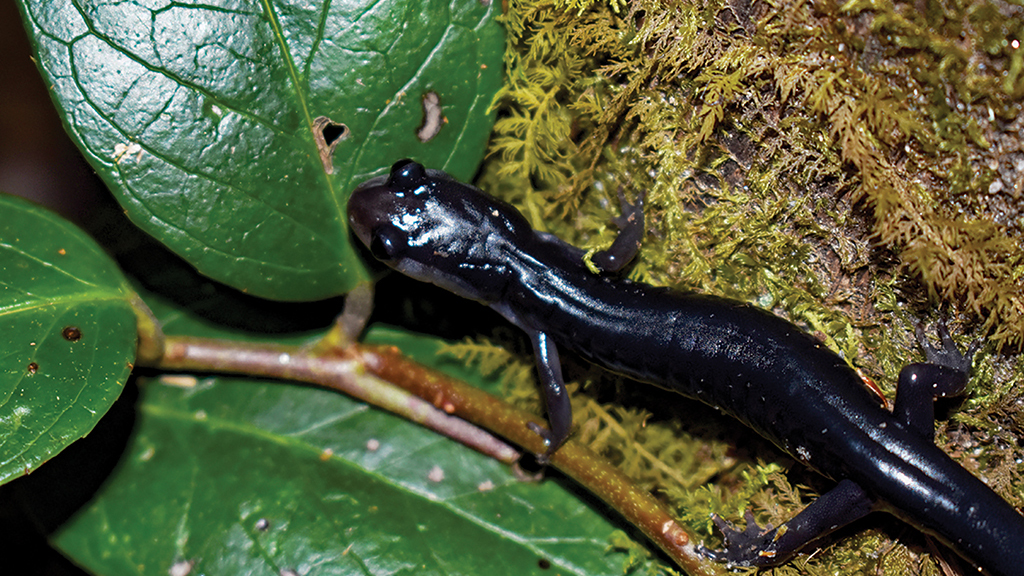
491 359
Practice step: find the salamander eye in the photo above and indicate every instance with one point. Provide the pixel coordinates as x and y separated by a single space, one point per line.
406 174
384 245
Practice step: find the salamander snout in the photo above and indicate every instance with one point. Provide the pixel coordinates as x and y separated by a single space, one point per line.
380 208
433 228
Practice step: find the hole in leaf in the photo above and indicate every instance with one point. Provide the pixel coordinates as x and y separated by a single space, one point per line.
327 134
71 334
433 117
332 132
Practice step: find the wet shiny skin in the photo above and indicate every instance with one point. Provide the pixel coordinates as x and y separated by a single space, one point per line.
757 367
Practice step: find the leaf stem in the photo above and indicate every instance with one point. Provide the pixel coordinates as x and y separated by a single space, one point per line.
382 376
333 371
573 459
151 333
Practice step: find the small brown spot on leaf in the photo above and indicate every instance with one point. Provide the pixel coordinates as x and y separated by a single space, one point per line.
33 367
71 334
327 134
62 252
544 564
433 117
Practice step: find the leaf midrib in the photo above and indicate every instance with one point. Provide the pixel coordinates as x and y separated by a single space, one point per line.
300 95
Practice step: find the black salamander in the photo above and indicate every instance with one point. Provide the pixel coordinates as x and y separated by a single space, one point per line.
757 367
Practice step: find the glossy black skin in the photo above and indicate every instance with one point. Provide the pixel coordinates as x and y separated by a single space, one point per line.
757 367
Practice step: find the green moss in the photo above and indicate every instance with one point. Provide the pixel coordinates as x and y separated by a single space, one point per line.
854 167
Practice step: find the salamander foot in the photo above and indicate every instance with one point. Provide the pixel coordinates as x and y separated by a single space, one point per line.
948 354
753 546
549 440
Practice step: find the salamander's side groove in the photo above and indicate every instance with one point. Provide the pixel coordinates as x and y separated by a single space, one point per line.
757 367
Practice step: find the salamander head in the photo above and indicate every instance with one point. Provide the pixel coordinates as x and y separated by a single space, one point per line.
427 225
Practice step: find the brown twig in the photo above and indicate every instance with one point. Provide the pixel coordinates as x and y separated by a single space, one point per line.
338 373
382 376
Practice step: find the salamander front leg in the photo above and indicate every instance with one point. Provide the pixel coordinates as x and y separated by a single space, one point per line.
556 398
627 243
755 546
945 374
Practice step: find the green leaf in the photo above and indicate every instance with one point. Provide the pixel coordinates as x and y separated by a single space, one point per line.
206 464
67 335
245 476
201 118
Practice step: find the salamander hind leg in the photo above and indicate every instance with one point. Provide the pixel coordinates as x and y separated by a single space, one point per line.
754 546
944 374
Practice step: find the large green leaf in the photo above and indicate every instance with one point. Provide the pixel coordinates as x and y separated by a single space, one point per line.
240 476
67 335
201 117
